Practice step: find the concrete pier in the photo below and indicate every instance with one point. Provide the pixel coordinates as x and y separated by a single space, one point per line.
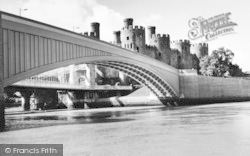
26 95
2 119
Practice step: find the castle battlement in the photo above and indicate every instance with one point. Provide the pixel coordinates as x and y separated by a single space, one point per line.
150 47
180 42
152 34
139 28
174 50
95 30
130 27
200 49
183 46
200 45
163 36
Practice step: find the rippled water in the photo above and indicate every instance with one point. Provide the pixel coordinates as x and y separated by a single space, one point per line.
219 129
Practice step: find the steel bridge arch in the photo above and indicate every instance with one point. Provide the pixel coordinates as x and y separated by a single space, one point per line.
30 47
144 75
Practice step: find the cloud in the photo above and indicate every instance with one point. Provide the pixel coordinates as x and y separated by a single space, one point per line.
150 20
68 14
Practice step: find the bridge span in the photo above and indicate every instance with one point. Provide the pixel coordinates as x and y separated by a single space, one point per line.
29 47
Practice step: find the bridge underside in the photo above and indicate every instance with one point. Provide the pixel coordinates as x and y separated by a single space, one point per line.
156 84
143 75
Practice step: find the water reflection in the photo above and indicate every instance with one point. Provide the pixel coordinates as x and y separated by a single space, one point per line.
191 115
86 117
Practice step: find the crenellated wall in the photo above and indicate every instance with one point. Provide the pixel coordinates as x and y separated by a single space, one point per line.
200 49
162 43
151 51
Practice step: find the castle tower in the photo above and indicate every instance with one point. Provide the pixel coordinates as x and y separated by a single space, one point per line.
200 49
117 38
151 33
133 38
162 43
128 22
95 30
182 46
185 59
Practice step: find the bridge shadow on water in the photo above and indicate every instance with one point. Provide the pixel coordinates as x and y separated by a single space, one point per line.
99 117
78 116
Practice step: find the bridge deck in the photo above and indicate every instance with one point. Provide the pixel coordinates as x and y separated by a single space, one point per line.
58 85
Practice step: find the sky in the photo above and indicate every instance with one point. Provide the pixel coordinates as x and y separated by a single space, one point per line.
169 16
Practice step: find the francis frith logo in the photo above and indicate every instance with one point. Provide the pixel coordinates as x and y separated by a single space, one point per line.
211 28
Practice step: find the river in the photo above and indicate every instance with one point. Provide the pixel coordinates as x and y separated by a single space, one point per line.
206 130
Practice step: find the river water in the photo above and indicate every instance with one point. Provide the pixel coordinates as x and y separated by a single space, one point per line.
206 130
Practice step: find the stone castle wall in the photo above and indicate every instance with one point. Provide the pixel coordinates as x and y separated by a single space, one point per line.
205 87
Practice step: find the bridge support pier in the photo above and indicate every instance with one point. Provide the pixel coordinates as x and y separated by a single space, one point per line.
2 119
123 78
26 95
80 96
69 100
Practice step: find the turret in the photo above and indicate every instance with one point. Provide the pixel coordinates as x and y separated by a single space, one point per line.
183 46
117 37
200 49
151 31
161 42
128 22
95 30
133 38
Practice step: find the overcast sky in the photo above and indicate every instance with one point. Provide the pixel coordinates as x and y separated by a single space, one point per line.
169 16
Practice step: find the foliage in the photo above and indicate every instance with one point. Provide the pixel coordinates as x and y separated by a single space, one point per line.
236 71
219 64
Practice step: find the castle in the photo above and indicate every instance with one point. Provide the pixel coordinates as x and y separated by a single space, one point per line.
180 54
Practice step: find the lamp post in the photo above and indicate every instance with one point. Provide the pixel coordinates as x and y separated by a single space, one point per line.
20 11
75 28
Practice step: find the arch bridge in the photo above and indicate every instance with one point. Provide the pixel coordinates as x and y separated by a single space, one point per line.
29 47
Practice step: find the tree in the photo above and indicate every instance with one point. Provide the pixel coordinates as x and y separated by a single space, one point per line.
219 64
236 71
